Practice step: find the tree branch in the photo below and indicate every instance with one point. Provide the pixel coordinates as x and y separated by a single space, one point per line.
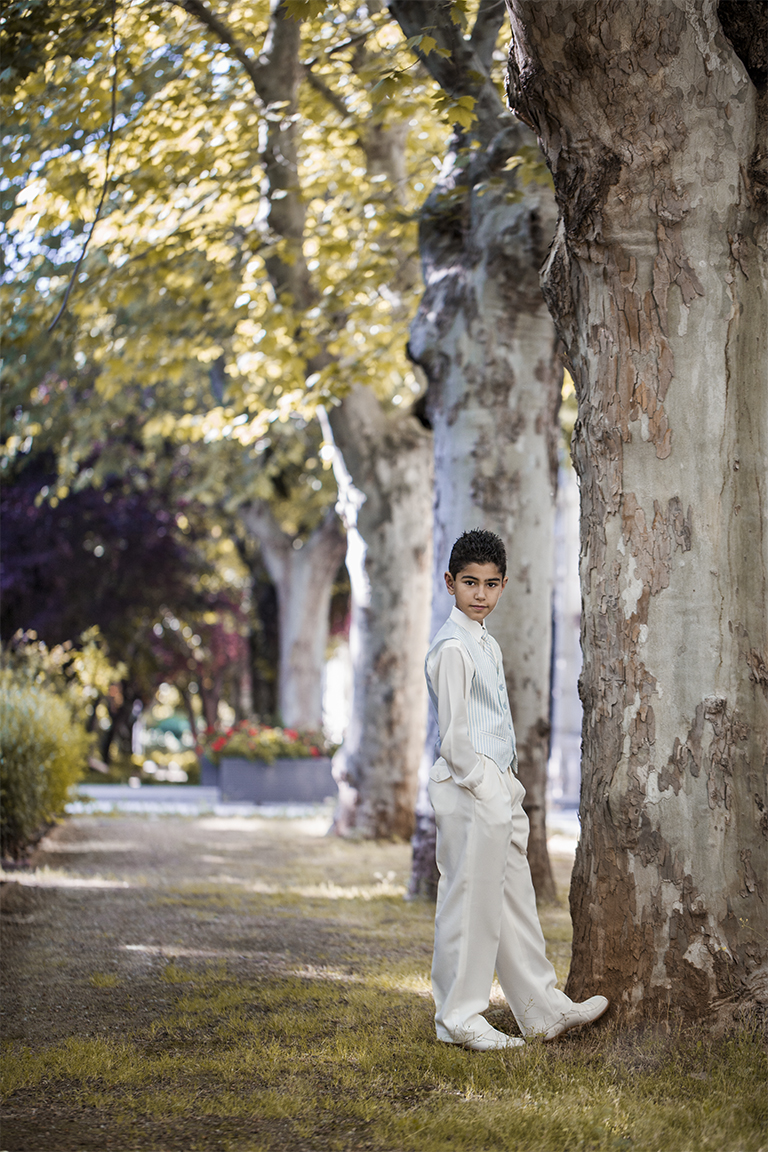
275 78
327 93
224 34
490 17
110 140
275 544
418 17
463 72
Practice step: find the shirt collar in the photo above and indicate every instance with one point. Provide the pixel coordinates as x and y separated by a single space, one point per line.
476 630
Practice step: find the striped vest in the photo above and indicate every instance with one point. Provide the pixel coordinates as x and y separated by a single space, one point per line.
489 719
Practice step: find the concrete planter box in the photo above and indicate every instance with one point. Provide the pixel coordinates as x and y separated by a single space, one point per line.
308 781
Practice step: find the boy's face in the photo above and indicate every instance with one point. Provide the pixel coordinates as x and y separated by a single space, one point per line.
477 589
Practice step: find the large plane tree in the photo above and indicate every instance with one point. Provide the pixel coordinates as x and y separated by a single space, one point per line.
652 118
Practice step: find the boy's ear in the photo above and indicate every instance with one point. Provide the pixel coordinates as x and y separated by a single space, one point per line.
504 583
450 583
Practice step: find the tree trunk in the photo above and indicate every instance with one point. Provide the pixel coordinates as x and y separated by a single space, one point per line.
303 578
654 132
263 655
186 700
485 339
386 502
487 343
377 765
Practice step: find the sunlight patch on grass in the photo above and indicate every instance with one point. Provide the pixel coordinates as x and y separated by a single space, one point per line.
418 982
401 977
313 827
323 1056
343 1054
320 972
383 886
56 878
103 980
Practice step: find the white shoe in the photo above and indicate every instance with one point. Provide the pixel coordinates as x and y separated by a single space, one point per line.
585 1013
484 1039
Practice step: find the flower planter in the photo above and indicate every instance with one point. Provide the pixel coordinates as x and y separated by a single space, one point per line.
307 781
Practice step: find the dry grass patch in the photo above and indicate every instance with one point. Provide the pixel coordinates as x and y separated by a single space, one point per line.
351 1062
286 1006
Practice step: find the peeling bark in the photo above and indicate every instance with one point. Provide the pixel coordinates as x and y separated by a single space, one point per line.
384 473
385 499
655 136
486 343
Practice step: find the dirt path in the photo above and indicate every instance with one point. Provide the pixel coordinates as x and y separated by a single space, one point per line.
117 897
121 915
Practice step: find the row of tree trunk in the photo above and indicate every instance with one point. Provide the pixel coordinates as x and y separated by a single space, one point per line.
483 440
651 117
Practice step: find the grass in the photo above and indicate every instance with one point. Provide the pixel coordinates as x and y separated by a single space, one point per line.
338 1052
344 1065
103 980
351 1062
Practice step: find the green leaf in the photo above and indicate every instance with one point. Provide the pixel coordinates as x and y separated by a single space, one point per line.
456 110
299 10
459 13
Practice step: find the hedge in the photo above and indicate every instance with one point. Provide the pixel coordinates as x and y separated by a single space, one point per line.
42 754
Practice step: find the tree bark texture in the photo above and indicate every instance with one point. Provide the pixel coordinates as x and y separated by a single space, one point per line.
383 470
385 499
303 579
655 135
486 342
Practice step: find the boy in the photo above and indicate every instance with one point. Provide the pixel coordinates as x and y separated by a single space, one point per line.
486 915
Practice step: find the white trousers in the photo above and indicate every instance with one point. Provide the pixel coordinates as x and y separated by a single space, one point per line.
486 914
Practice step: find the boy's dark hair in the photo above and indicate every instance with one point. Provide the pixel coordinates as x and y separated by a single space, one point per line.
477 547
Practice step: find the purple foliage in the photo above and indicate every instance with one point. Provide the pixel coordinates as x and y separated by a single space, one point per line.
106 557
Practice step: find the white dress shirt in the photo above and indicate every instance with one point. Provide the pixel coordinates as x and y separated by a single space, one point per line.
450 669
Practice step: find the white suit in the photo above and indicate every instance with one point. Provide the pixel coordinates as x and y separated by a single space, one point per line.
486 914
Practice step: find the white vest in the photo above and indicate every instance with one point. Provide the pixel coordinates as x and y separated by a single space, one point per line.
489 718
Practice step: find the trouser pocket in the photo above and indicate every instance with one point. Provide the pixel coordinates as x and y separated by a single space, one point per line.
492 795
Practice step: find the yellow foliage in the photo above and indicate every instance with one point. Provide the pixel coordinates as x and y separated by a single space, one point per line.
177 275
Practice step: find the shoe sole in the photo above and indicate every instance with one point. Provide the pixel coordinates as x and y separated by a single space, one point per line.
468 1047
576 1024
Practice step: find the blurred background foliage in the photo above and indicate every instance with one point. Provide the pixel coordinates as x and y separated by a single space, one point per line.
176 388
43 752
173 335
51 702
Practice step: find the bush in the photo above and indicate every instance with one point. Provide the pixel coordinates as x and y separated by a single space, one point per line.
42 754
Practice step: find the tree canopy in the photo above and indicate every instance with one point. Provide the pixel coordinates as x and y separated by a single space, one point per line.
232 248
138 188
174 330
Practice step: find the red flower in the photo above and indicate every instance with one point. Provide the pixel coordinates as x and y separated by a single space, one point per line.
314 751
219 744
209 731
290 733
